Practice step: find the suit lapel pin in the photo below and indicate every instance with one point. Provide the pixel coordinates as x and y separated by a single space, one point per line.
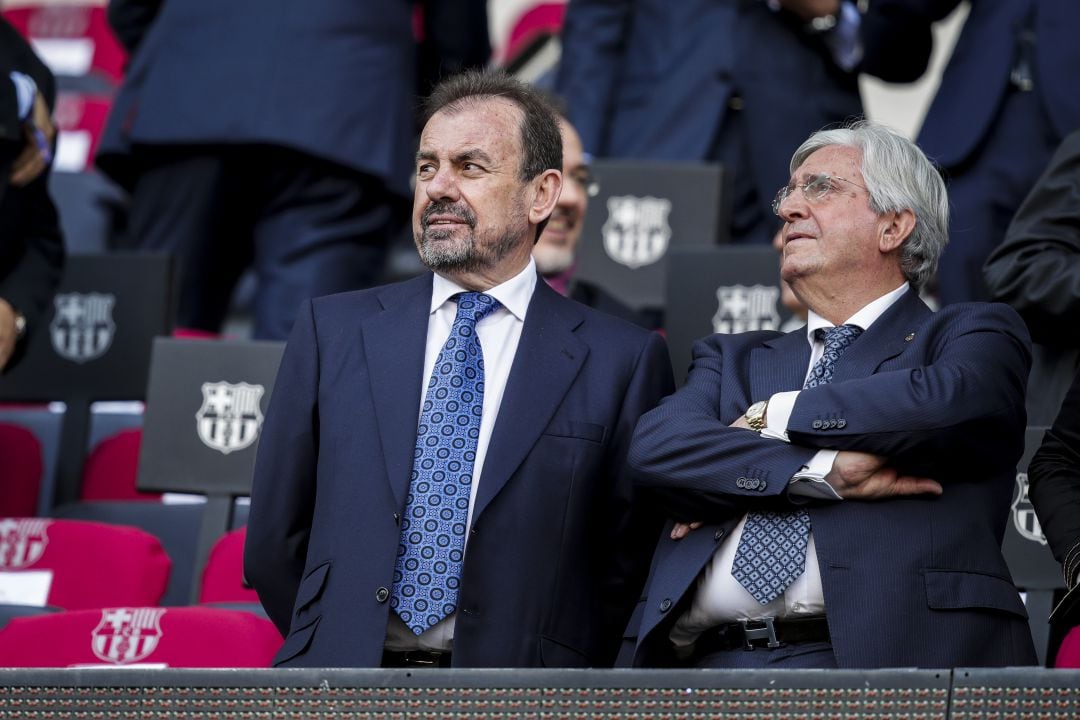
910 337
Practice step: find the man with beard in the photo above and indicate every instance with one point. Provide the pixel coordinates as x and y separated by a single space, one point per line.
442 477
555 252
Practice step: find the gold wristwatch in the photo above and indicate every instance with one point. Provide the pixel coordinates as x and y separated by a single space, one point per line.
755 415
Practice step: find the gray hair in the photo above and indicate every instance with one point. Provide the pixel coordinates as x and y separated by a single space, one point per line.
898 176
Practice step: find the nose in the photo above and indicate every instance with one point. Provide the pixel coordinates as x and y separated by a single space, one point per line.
443 186
793 206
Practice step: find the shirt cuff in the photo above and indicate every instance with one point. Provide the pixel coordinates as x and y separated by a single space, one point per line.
810 480
776 418
25 88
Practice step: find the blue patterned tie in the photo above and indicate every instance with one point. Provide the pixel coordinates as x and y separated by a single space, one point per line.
428 567
772 550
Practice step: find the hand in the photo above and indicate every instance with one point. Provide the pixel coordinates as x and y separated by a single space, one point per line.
36 154
681 530
8 336
810 9
862 476
740 422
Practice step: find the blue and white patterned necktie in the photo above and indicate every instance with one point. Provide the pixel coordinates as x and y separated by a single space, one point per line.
428 568
772 549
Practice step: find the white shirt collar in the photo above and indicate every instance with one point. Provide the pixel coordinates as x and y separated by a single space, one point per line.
514 294
864 318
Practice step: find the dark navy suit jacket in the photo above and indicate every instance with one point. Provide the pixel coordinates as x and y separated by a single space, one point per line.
918 581
898 43
332 78
556 553
652 79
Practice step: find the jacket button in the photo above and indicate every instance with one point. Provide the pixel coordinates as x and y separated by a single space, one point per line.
665 605
397 519
740 483
841 423
382 594
718 534
816 424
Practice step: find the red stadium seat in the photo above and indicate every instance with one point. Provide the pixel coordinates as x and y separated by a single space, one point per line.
20 478
1068 655
110 470
73 38
183 637
93 565
223 577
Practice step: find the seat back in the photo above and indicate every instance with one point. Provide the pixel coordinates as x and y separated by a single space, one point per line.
176 526
110 469
22 470
186 637
92 565
223 576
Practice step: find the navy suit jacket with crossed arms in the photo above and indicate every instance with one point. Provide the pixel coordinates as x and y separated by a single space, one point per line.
917 581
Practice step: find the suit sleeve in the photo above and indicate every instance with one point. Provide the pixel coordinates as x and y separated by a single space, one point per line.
1036 269
686 444
635 521
593 43
1054 476
959 415
283 490
897 37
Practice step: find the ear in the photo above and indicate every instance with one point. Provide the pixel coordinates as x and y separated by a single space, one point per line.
547 187
895 229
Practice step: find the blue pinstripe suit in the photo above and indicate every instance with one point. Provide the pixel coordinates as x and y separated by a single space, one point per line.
916 581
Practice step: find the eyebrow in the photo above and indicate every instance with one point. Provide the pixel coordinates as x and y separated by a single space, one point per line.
463 156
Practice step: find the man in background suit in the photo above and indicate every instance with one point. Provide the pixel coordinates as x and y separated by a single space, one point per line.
555 253
31 245
1007 99
731 81
270 134
536 395
857 522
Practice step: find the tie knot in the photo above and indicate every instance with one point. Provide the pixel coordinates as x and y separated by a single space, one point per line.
474 306
839 337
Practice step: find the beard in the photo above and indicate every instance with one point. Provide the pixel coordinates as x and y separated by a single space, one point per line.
440 252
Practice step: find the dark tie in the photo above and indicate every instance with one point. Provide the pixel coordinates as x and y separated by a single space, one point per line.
428 568
772 550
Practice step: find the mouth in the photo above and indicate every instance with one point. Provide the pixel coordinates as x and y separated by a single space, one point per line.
793 236
445 216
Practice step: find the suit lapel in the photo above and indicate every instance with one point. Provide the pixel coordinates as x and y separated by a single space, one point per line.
779 364
886 338
549 357
394 344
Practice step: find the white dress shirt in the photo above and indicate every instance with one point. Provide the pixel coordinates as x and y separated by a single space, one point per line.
719 597
498 334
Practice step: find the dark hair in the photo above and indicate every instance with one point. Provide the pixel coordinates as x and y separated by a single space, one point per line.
541 142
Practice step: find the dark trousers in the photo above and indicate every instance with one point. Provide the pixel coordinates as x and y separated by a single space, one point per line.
795 655
986 191
306 226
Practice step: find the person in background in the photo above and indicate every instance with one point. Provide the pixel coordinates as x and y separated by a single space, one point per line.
555 253
31 244
272 135
1007 99
711 81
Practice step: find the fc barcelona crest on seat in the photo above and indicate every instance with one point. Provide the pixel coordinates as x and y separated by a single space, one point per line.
127 635
637 232
22 542
230 417
83 327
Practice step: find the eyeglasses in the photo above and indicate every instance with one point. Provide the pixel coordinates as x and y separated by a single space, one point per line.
815 189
